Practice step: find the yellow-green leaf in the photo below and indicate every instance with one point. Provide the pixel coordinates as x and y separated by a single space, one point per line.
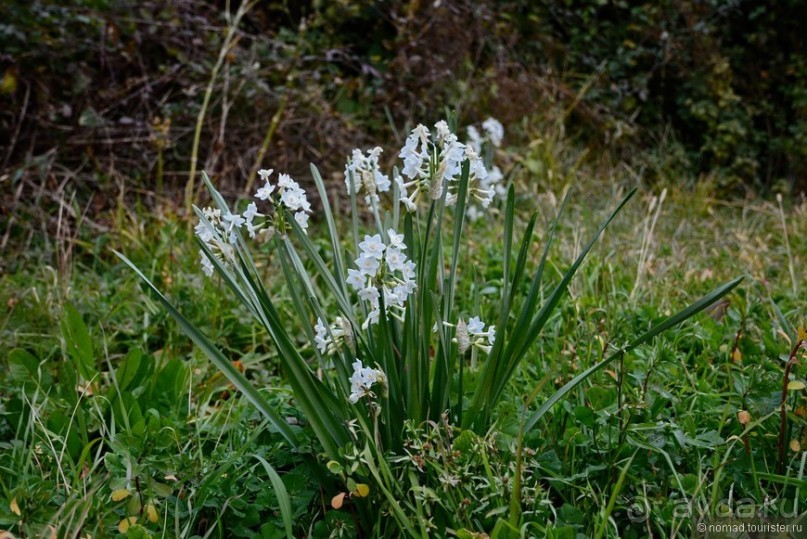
362 490
123 525
795 385
120 494
151 513
15 508
8 85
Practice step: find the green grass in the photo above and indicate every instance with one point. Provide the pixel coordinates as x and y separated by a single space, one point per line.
622 455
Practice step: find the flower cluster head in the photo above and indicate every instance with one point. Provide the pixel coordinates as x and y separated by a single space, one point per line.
286 194
433 165
219 230
362 174
493 134
494 130
363 379
382 267
330 339
219 235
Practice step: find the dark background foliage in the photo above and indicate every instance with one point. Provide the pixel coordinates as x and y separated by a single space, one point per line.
104 94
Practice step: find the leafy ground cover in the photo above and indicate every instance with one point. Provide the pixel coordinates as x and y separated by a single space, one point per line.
160 443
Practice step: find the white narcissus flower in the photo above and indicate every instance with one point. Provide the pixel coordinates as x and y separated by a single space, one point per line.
368 265
369 294
356 279
475 325
232 222
392 299
207 265
204 232
495 131
289 195
302 219
396 240
372 318
395 259
474 139
211 214
408 270
286 194
322 338
416 161
479 338
363 379
291 198
409 286
442 129
285 181
372 246
250 214
265 192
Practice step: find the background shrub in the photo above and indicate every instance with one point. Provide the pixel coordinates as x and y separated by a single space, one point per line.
107 92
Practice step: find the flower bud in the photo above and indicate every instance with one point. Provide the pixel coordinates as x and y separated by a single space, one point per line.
463 340
436 185
347 332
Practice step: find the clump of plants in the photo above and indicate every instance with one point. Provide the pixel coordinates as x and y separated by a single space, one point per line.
405 364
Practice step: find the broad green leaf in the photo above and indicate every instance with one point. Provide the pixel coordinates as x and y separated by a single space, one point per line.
23 368
128 370
78 342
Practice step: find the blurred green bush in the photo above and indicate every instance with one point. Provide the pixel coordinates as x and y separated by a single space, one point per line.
108 91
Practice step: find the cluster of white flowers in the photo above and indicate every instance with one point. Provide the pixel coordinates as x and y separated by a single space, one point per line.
386 266
494 132
222 231
434 166
362 174
289 194
363 379
330 339
213 235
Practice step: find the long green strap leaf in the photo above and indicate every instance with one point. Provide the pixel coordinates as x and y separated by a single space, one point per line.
339 264
281 494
